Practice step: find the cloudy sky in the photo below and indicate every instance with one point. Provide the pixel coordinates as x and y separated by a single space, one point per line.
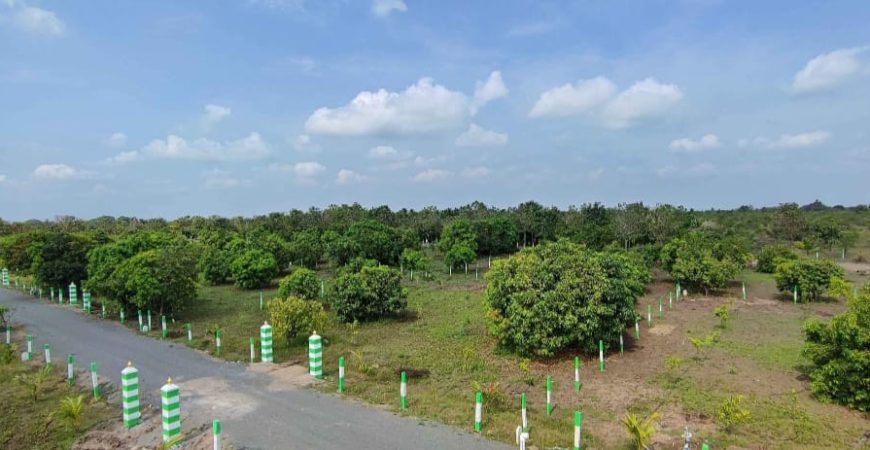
168 108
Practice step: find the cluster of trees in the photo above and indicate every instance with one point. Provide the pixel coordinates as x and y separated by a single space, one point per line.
704 260
560 294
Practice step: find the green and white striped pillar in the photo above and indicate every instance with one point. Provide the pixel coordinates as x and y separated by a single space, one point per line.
660 308
578 430
649 316
130 395
189 332
679 291
70 369
170 405
86 301
8 334
577 373
60 296
403 390
340 374
29 347
121 313
51 293
46 350
217 341
141 324
73 296
478 411
636 329
524 413
216 434
149 322
601 355
102 310
95 381
6 277
322 288
705 446
261 300
621 344
163 327
253 353
744 290
315 356
549 395
795 295
670 300
266 343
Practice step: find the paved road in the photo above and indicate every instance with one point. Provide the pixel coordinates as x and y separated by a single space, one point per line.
256 410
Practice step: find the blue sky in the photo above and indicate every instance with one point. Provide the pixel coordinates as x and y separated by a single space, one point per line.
169 108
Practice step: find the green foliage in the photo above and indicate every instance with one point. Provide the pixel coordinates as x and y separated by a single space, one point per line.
306 248
461 253
214 264
723 313
254 269
789 222
59 258
339 248
375 240
13 250
293 316
641 431
161 280
457 233
702 261
302 283
811 276
731 413
772 255
33 381
356 264
703 345
413 260
557 295
591 225
8 353
106 259
71 411
840 354
495 235
372 293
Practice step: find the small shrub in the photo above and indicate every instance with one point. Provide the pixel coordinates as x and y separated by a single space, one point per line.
811 276
494 398
730 413
8 353
72 412
214 264
372 293
293 315
526 371
253 269
772 255
641 431
723 312
302 283
33 381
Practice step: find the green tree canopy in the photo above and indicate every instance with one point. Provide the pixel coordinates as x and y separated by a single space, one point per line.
302 283
254 268
372 293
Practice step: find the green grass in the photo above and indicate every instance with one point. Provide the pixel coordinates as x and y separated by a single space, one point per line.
25 424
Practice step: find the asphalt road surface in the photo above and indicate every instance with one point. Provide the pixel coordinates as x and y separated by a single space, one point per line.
257 411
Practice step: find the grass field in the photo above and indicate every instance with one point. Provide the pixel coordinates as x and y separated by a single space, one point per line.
28 424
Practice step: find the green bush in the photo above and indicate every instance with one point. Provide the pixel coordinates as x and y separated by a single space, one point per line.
731 413
413 260
703 262
372 293
459 254
559 295
772 255
161 280
811 276
840 354
302 283
214 264
253 269
293 316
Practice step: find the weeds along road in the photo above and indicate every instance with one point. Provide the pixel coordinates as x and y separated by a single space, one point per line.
255 409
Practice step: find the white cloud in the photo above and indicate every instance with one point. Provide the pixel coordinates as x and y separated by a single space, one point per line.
55 172
422 107
308 169
35 20
220 179
475 172
597 99
383 8
2 178
303 143
477 136
828 70
174 147
212 114
568 100
794 141
431 175
643 100
346 176
697 170
126 157
486 91
689 145
383 152
117 140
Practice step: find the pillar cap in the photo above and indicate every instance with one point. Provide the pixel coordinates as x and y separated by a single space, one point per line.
169 380
129 363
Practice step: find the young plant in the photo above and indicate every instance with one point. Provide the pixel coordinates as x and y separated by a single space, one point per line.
703 345
723 312
34 381
641 431
730 412
72 412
